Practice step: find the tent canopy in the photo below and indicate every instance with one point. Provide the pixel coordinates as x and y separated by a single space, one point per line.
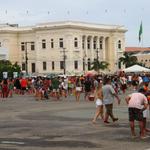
91 73
136 68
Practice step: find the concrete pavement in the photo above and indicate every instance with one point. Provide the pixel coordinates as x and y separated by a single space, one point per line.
26 124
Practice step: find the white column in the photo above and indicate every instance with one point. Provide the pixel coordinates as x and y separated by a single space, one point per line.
104 50
97 46
69 52
92 49
86 53
80 54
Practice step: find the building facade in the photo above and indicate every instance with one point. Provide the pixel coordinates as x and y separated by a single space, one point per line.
142 54
51 47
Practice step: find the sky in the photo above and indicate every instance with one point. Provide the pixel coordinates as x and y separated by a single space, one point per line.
129 13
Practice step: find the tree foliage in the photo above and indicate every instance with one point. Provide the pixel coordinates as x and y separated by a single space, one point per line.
97 65
128 59
7 66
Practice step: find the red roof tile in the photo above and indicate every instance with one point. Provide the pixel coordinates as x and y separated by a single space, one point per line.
137 49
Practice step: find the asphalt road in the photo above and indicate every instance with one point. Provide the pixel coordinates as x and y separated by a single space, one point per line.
27 124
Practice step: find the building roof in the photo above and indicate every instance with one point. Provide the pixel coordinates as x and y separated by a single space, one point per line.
81 25
137 49
62 24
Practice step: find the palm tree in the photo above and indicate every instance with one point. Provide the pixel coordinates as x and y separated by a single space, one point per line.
97 65
128 59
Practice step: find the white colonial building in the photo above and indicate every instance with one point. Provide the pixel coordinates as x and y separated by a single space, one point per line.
45 47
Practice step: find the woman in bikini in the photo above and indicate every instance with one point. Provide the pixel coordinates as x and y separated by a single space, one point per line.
99 103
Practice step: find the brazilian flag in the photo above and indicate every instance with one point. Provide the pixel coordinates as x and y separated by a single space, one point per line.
140 32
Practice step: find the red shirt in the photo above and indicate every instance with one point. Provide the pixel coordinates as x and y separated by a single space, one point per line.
23 83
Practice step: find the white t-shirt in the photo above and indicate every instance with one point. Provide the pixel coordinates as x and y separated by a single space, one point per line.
65 84
137 100
129 78
140 80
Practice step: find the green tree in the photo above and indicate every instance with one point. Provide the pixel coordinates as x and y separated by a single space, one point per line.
97 65
7 66
128 59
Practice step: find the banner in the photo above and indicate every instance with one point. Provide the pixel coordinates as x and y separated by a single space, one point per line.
5 75
15 74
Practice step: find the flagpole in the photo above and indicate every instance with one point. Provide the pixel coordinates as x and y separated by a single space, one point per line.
142 36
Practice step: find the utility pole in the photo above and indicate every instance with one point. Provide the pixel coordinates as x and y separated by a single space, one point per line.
97 58
84 62
97 52
26 58
64 59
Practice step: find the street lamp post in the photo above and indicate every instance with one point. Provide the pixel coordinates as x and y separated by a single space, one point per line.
84 61
97 52
97 58
26 58
64 59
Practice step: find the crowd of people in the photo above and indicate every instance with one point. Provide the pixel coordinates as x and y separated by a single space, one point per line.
44 88
101 88
138 100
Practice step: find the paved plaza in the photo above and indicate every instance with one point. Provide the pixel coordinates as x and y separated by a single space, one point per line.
27 124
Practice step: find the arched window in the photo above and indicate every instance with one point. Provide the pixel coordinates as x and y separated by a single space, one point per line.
101 44
94 43
61 43
88 43
119 44
52 43
89 64
83 41
43 43
75 42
